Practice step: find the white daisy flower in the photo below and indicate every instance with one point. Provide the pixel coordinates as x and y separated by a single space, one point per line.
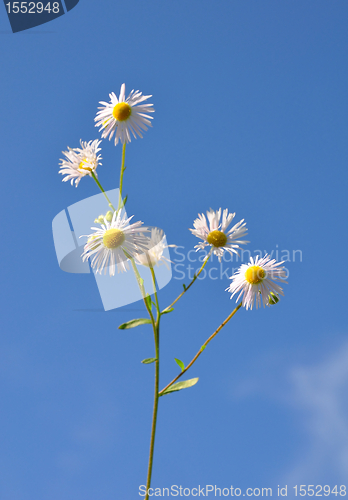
156 246
124 116
80 162
217 235
110 245
254 282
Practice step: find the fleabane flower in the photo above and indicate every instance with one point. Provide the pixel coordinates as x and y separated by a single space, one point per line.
124 116
110 245
256 282
155 248
80 162
215 234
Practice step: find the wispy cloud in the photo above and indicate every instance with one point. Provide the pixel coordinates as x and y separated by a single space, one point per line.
316 394
320 395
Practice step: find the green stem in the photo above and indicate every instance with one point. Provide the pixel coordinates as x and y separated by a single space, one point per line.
142 289
102 190
155 291
202 348
156 395
123 168
155 326
193 280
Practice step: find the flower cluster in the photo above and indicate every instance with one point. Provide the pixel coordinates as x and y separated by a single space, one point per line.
253 280
117 241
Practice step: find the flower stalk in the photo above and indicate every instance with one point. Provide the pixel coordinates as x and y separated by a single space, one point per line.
202 349
155 326
102 190
123 168
156 395
189 286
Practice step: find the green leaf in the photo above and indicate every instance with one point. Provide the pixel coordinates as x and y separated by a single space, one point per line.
147 361
166 311
184 287
133 323
180 363
125 200
148 301
203 347
180 385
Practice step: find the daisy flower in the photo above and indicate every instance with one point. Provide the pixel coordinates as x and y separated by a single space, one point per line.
156 246
80 162
216 233
255 281
110 245
124 116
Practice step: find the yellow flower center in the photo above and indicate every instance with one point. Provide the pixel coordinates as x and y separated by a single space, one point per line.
85 166
113 238
217 238
255 275
122 111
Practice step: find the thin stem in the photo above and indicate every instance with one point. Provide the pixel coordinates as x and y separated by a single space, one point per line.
193 280
202 348
155 291
155 326
156 395
123 168
142 289
102 190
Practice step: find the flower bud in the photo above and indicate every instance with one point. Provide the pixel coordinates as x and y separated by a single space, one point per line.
109 216
272 299
99 220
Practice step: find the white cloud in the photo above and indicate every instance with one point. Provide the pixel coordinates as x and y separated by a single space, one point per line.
320 394
316 396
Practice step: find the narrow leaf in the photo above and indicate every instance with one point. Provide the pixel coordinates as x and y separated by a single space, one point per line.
133 323
180 385
147 361
166 311
180 363
125 200
184 287
148 301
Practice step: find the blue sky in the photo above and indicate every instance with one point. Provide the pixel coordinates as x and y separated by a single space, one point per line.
251 115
